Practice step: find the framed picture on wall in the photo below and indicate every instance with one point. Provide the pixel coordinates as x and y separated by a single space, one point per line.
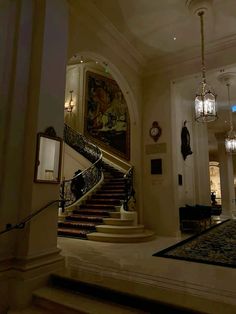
107 120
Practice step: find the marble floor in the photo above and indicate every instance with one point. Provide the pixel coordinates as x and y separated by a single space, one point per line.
132 268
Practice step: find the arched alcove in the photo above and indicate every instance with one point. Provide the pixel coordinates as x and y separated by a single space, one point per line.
84 67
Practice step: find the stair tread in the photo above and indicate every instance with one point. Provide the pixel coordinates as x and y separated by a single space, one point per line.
118 219
100 206
101 200
90 211
70 232
121 238
108 191
115 227
76 218
81 302
78 225
145 233
109 195
82 216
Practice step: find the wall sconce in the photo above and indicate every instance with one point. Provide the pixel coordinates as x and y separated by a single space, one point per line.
69 106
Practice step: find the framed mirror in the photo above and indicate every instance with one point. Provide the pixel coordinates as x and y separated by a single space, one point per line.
48 159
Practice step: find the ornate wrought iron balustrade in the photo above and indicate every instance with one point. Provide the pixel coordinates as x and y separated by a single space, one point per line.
85 180
129 189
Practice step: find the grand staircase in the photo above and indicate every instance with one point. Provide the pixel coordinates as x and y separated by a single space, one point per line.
99 218
102 204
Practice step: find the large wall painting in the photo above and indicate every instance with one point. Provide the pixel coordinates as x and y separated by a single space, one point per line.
106 114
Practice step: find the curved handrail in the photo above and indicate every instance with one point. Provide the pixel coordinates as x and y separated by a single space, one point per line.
22 223
86 179
129 189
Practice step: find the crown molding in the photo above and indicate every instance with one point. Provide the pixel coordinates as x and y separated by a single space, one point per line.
108 33
164 63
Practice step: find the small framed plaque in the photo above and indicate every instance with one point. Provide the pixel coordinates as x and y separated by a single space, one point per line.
156 166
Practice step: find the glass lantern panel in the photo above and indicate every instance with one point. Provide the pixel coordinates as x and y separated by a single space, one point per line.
230 145
205 107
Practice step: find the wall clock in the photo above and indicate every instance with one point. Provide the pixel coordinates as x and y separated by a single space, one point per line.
155 131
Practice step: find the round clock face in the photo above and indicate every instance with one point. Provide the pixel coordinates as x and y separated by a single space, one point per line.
155 131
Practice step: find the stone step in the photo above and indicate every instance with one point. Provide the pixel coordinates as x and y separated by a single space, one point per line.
124 230
108 195
114 180
114 214
75 233
103 201
59 300
76 217
97 206
146 235
114 191
78 225
115 221
113 186
113 175
98 212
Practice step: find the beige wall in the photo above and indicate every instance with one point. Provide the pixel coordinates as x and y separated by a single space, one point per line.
158 197
91 38
72 162
32 93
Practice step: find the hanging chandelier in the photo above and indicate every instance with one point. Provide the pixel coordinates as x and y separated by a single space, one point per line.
230 141
205 101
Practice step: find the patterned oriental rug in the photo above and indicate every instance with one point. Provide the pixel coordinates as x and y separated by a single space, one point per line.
216 245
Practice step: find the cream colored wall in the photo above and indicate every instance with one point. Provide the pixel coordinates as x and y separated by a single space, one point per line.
183 112
194 168
10 145
34 72
72 162
158 197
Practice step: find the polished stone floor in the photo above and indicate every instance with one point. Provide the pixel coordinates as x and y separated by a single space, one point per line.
202 287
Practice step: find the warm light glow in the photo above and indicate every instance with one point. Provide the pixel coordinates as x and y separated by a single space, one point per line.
230 142
205 101
205 107
70 105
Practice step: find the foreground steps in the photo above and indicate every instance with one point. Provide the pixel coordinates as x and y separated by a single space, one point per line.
60 301
67 295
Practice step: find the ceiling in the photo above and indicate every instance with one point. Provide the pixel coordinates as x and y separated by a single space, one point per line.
151 25
166 28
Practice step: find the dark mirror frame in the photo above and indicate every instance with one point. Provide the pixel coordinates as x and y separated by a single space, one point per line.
37 161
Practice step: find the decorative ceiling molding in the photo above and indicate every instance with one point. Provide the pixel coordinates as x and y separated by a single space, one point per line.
107 32
158 64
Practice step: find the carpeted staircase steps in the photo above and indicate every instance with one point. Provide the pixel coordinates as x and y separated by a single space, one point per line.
98 220
102 204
